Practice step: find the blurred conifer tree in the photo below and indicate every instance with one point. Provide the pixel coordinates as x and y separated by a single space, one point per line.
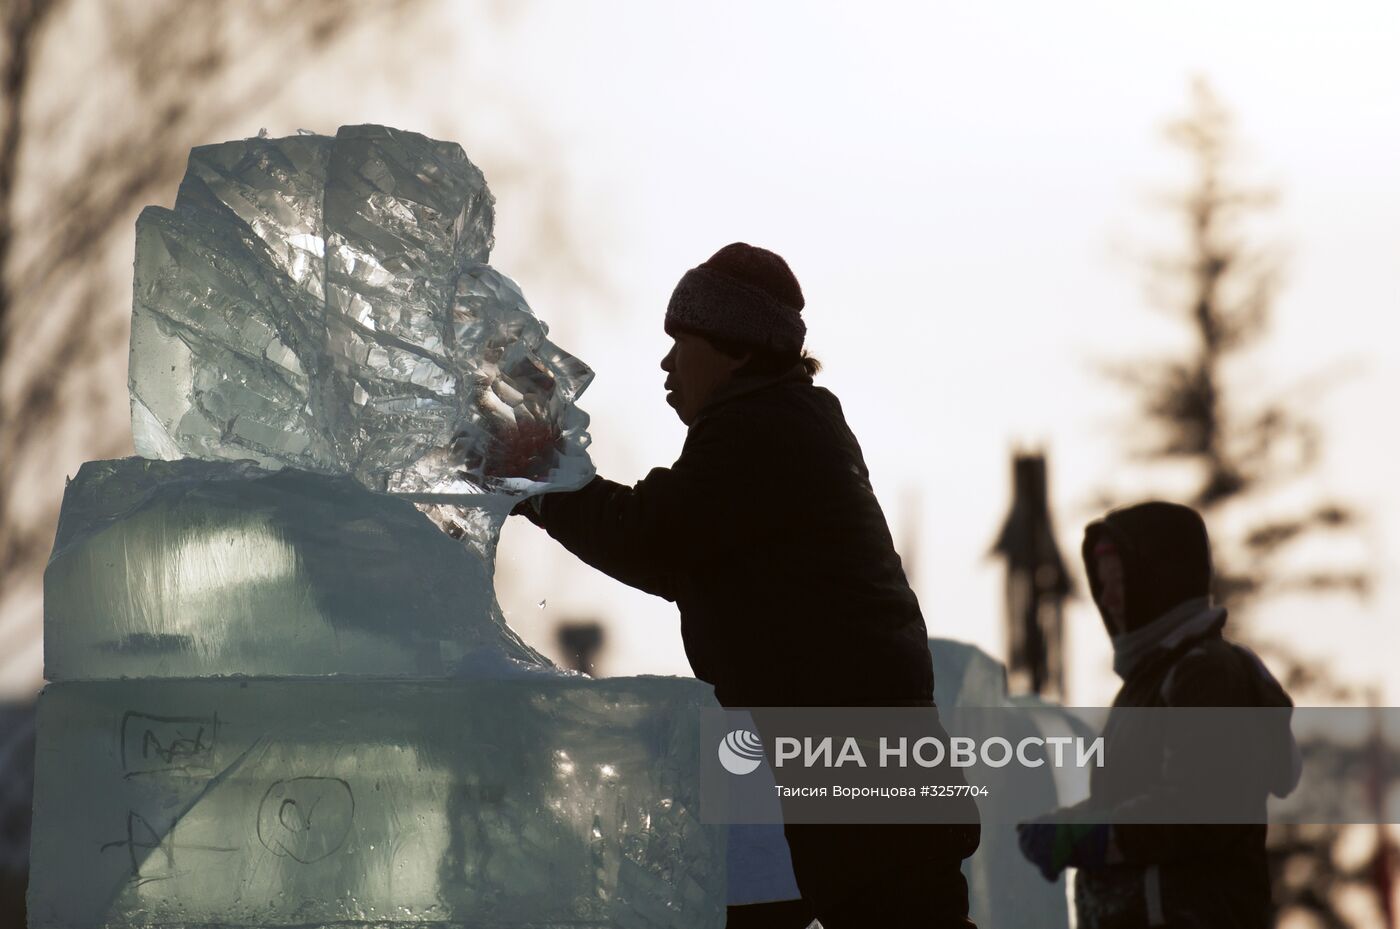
1196 411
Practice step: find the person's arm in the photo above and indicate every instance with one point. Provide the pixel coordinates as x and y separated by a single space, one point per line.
602 523
641 535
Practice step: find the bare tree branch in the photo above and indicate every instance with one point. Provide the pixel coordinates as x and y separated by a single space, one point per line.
24 20
70 190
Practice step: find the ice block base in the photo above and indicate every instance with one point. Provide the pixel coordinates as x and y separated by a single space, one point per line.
263 802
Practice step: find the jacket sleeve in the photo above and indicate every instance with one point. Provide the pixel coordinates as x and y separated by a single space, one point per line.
643 534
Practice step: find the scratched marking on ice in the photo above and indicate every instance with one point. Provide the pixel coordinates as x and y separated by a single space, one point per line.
168 744
306 818
151 850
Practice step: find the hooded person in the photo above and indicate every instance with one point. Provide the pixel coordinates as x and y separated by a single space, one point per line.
1149 569
768 537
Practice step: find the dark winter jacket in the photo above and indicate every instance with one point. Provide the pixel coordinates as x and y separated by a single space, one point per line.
767 536
1180 874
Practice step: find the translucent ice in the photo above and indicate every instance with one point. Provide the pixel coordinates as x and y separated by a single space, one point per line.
311 803
191 568
325 303
316 336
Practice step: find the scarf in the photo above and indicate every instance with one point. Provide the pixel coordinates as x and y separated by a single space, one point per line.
1187 620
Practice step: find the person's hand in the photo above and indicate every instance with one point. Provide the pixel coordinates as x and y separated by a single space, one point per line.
526 448
1037 842
1052 846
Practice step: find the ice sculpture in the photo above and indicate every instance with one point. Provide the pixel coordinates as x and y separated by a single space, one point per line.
325 304
284 695
320 304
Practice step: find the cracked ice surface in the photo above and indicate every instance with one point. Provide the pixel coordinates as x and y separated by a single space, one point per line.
325 303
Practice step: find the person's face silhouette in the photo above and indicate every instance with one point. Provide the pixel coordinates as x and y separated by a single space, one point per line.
694 370
1109 568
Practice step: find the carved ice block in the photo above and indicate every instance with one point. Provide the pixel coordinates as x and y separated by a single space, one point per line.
192 568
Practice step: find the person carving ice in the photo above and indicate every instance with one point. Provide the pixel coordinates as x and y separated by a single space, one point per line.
1149 569
768 537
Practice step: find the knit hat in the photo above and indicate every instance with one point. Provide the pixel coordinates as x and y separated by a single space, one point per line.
744 294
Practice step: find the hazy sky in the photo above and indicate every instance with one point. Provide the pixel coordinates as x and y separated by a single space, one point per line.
961 191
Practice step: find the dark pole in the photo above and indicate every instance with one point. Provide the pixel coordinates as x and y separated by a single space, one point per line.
1036 582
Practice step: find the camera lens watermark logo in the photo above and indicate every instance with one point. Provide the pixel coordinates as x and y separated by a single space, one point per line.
740 752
